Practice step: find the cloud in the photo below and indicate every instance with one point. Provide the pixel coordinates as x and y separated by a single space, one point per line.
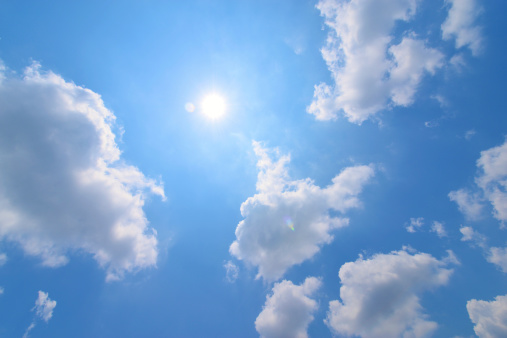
415 224
289 310
287 221
2 290
493 180
460 24
491 186
231 271
498 256
380 296
63 186
438 228
44 307
369 72
3 259
490 318
469 234
469 204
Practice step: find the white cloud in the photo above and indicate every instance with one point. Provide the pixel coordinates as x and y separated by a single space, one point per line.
469 134
368 71
498 256
3 259
1 290
380 296
231 271
469 234
460 24
491 185
490 318
287 221
493 180
44 307
63 186
469 204
438 228
289 310
415 224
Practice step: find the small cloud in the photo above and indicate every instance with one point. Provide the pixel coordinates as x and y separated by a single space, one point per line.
3 259
431 124
468 203
498 256
441 100
470 133
415 224
438 227
458 62
2 290
44 307
231 271
470 235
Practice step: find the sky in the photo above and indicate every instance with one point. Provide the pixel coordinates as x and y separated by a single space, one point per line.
331 168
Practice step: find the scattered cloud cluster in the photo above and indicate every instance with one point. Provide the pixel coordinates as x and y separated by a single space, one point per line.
369 71
416 224
490 318
289 310
63 186
287 221
380 296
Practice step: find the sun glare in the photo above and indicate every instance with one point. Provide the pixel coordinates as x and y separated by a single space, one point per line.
213 106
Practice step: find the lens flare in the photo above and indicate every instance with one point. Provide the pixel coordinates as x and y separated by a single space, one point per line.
289 222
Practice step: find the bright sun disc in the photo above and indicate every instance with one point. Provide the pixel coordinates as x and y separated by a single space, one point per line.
213 106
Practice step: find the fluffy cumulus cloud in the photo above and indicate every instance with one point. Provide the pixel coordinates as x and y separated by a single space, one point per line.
490 318
289 310
63 186
287 221
370 72
491 185
461 24
380 295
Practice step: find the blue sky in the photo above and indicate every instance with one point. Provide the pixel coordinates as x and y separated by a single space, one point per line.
356 184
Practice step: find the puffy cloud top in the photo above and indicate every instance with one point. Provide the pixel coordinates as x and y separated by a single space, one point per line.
287 221
63 185
289 310
490 318
380 296
368 70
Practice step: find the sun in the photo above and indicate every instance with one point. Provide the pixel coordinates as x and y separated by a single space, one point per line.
213 106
